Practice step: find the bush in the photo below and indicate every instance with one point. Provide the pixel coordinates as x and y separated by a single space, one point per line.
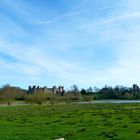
88 97
70 97
38 98
54 98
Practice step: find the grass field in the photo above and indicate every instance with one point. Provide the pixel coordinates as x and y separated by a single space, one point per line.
72 122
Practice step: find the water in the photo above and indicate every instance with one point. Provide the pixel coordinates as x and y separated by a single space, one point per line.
111 101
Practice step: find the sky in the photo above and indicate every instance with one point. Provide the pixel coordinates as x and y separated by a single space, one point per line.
66 42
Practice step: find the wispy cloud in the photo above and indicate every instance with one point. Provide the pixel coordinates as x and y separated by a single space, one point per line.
85 45
74 12
114 19
34 62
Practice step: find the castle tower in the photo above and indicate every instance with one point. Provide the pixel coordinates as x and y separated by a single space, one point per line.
34 89
54 89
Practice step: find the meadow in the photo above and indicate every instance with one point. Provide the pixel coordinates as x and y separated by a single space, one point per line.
70 121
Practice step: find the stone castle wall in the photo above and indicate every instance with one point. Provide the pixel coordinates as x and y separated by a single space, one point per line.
37 89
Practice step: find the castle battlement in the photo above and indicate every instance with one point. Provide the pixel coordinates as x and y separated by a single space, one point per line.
37 89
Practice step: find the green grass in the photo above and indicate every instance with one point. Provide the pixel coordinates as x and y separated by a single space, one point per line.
72 122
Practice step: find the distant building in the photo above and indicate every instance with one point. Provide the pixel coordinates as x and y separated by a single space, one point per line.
36 89
136 88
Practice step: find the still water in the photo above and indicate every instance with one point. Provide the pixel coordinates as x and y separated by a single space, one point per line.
111 101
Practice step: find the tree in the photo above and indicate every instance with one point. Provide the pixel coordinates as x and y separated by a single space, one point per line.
83 91
74 89
96 90
9 93
89 90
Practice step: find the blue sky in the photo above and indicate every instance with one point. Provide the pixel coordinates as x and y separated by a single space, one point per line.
65 42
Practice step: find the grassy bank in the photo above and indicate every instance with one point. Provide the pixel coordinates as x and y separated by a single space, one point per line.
72 122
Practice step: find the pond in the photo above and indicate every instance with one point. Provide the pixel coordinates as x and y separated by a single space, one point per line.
110 101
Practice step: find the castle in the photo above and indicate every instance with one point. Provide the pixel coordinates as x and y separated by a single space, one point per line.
36 89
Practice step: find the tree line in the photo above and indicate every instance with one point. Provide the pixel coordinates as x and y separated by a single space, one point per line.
108 92
9 94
